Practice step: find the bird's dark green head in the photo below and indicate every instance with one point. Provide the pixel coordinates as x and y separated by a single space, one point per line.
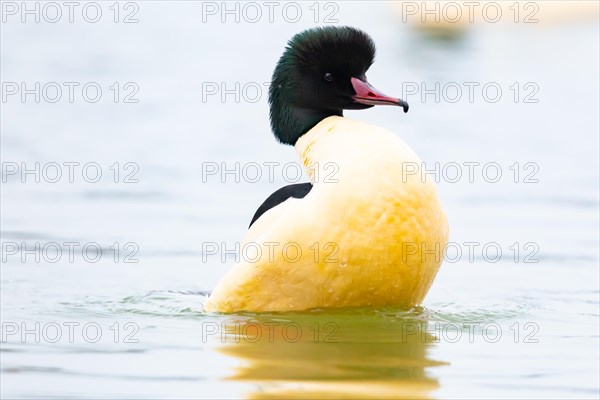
321 73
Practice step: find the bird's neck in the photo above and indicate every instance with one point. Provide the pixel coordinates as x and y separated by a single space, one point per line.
307 144
291 122
355 155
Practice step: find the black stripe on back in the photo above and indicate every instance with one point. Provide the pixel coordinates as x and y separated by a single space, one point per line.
297 191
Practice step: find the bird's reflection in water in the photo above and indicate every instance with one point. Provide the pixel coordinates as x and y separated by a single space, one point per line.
346 354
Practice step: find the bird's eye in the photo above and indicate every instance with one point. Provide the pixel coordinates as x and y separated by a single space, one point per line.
328 77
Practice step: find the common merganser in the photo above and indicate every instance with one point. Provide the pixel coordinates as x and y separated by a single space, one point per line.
372 235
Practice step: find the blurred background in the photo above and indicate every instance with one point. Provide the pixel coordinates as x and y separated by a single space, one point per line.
119 122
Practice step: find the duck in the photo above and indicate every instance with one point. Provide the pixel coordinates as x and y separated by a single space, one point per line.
363 232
